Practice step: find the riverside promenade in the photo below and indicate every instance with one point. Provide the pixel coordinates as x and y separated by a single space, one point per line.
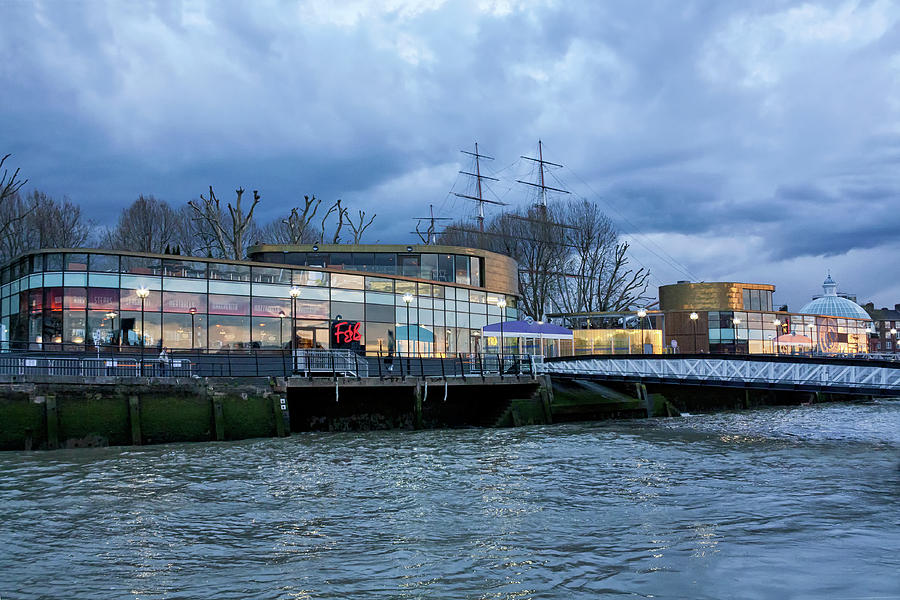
65 402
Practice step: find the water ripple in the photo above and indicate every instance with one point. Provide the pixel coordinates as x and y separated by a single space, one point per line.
783 502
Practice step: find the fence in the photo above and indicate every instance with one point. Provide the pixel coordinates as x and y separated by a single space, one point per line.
268 363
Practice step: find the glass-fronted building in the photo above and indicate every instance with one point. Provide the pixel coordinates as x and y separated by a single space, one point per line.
720 318
89 298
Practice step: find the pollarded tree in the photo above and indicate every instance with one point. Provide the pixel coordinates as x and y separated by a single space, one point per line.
221 234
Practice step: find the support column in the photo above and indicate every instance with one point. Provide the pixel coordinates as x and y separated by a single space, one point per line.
134 414
641 393
52 421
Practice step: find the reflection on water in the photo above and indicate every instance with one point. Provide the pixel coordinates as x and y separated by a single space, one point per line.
776 503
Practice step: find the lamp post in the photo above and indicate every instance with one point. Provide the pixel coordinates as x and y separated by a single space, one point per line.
734 323
641 314
281 317
193 312
111 315
501 303
407 298
894 339
295 293
694 317
772 338
777 348
142 294
810 326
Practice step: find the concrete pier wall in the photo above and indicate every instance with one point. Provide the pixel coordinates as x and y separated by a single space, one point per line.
416 403
49 413
56 412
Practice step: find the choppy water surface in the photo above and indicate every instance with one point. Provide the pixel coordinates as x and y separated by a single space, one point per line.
777 503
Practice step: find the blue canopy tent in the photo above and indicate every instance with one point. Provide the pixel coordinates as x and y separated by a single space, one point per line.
530 337
415 335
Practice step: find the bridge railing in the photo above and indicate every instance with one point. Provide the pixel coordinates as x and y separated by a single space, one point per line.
773 372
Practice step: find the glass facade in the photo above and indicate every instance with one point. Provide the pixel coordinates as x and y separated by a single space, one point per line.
745 332
445 268
91 300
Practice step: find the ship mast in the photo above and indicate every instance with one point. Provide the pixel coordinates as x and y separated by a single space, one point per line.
479 197
430 234
542 186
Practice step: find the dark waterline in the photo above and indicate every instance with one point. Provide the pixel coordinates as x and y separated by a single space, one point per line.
775 503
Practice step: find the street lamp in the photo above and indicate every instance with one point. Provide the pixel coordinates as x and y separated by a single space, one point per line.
735 321
694 317
142 294
777 324
772 339
193 312
407 297
810 326
501 303
111 315
641 314
281 317
295 293
894 339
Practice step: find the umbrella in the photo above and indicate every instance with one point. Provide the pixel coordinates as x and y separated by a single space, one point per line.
792 339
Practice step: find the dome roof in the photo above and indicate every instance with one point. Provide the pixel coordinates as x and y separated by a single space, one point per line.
832 305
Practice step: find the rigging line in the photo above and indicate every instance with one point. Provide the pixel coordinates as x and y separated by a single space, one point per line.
639 237
664 260
673 262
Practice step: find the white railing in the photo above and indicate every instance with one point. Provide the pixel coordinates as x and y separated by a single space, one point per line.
92 367
345 362
774 373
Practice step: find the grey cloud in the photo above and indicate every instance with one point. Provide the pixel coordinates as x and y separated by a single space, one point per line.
697 118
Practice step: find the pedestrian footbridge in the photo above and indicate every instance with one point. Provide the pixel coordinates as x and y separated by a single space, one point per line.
814 374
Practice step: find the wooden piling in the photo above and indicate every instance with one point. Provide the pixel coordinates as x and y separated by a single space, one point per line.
278 413
418 405
134 415
52 424
218 419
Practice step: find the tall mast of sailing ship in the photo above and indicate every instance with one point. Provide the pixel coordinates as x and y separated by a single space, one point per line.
541 185
479 196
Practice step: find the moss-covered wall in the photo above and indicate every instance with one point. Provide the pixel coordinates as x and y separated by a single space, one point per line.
49 413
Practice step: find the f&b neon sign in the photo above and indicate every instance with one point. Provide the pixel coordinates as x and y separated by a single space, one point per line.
345 332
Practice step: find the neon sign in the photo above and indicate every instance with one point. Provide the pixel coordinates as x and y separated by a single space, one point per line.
345 332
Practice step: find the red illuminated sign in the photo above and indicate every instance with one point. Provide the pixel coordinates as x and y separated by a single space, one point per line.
345 332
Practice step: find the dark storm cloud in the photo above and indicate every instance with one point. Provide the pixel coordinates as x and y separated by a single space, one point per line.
774 122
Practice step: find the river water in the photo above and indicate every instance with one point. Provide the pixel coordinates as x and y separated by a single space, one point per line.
799 502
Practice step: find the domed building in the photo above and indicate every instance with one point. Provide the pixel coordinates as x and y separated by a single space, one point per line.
830 304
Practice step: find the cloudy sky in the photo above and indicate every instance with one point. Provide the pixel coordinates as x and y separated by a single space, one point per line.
727 140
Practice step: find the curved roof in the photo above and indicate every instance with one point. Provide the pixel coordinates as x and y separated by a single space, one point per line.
526 329
832 305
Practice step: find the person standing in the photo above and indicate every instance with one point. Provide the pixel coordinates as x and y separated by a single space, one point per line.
389 361
163 362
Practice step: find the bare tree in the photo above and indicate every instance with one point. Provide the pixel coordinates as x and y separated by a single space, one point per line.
569 257
359 229
147 225
623 288
39 221
223 238
9 189
298 223
341 214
